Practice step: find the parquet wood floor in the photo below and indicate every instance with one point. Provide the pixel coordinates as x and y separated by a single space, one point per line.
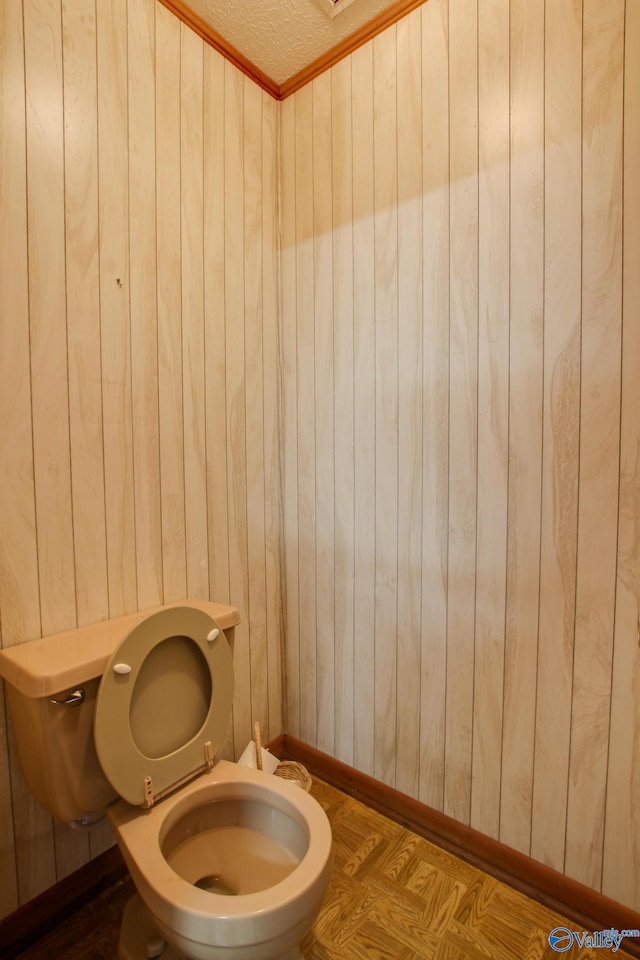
393 896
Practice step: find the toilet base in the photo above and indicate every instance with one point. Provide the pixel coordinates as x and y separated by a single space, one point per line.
138 932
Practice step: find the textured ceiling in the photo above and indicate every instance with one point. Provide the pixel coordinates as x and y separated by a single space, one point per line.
282 37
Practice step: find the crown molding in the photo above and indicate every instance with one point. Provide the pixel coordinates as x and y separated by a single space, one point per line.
367 32
215 40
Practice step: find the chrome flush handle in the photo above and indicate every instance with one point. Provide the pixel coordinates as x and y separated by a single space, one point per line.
73 700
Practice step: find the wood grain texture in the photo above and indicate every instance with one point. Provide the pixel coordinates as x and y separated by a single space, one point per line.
410 397
324 408
305 391
346 449
585 908
124 466
463 405
48 358
270 408
392 894
289 416
169 298
254 391
599 436
364 406
394 12
19 589
484 703
385 292
214 322
622 847
525 420
216 42
493 411
436 388
193 340
143 302
83 309
561 423
170 367
234 300
19 586
47 314
26 929
113 199
18 546
344 403
350 45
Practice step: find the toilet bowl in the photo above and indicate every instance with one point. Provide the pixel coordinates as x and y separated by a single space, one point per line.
235 864
229 862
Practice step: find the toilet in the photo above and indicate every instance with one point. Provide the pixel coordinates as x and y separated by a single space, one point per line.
228 861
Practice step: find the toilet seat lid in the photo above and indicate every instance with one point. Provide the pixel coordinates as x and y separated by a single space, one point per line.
164 703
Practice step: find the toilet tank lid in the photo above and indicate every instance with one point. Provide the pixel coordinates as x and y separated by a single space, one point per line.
48 665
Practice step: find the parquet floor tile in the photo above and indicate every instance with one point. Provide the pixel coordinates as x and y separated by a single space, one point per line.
392 896
395 896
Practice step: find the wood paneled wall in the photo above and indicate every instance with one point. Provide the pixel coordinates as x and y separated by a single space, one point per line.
460 329
432 251
139 450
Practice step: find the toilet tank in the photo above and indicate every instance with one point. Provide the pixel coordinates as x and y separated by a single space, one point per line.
51 688
55 747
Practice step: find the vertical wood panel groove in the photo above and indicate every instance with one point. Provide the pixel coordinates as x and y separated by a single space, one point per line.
525 421
385 318
620 877
83 312
563 125
363 363
364 406
118 393
512 413
600 442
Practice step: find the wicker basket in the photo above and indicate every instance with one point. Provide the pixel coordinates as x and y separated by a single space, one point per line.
290 770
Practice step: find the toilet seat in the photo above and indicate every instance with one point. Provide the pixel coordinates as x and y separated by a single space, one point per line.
164 703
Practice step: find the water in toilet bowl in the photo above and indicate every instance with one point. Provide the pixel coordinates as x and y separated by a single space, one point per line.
234 847
232 860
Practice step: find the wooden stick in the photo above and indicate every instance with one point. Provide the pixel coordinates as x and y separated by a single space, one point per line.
258 739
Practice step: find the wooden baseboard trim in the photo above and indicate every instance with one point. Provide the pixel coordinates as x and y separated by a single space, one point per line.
29 923
584 907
